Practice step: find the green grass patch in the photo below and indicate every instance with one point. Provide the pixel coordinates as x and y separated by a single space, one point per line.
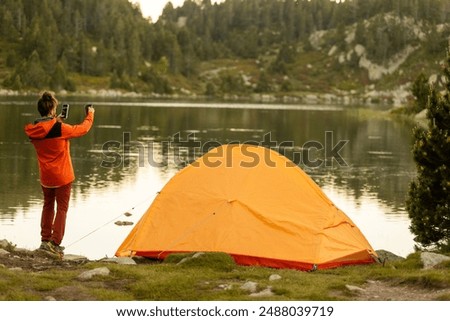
214 276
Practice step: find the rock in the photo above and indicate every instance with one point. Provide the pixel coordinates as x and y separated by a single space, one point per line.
120 260
430 259
274 277
421 115
249 286
49 298
195 256
265 292
90 274
198 254
74 258
184 260
3 252
354 288
4 244
225 286
386 256
16 269
123 223
21 250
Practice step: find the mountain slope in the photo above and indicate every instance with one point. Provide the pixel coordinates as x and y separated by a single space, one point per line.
318 50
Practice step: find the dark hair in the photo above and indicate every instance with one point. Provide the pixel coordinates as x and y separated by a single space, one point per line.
46 103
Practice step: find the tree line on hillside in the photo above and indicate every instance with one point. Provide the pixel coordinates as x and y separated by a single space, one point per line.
248 28
47 42
48 39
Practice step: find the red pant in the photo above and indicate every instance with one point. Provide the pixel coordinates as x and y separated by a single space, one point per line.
53 227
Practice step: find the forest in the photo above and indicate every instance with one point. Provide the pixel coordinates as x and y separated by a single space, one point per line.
237 46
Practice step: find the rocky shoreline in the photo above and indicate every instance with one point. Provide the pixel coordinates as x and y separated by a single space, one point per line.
370 96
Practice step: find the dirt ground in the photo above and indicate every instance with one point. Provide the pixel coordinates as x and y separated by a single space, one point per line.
383 291
372 291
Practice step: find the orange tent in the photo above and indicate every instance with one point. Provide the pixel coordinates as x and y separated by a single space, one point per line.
254 204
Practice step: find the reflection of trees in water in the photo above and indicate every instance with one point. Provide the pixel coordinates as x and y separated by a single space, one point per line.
380 163
389 186
19 174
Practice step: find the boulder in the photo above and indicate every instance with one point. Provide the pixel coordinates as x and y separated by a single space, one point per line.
430 259
87 275
4 244
386 256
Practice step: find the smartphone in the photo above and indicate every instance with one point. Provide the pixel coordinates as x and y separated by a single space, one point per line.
86 107
65 111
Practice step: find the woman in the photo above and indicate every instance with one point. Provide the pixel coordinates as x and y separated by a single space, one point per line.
50 137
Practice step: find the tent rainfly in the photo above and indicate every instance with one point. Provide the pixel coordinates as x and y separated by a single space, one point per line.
254 204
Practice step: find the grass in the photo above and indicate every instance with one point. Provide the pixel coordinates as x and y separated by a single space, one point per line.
212 276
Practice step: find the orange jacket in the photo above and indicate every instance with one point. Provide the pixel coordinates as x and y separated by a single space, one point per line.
51 141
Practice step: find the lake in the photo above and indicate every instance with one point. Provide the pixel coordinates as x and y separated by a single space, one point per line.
359 157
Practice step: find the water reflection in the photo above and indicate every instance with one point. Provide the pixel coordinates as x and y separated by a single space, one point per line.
148 142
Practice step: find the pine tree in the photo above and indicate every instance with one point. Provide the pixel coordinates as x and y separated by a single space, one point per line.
420 90
428 202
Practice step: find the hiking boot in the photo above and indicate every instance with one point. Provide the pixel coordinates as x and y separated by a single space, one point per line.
52 248
47 246
60 249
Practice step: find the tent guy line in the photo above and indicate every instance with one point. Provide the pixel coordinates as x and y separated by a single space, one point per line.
107 223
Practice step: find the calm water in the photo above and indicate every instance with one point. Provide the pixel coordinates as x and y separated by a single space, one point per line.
367 174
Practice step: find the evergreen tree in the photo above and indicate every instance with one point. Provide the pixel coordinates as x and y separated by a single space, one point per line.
420 90
59 78
428 202
263 85
31 73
